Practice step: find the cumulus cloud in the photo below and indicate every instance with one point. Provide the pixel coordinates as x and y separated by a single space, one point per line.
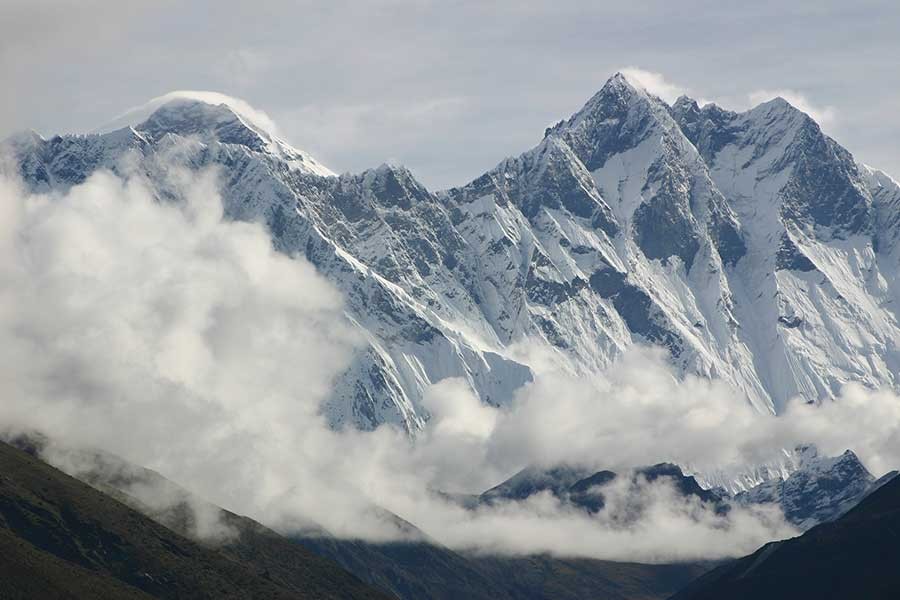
161 332
641 521
639 412
823 115
866 421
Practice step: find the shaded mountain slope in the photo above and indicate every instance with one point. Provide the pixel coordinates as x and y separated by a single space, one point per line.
853 557
419 570
26 572
409 570
70 536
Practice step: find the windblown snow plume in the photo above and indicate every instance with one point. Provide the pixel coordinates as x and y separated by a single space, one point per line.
137 114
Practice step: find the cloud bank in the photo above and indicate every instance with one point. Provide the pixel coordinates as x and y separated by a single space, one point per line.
160 332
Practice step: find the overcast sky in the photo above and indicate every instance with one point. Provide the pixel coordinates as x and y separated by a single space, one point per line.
448 88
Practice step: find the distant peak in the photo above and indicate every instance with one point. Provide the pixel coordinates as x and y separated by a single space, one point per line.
850 455
389 171
392 174
391 166
686 110
686 102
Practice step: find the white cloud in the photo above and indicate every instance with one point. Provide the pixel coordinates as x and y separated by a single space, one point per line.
647 522
823 115
165 334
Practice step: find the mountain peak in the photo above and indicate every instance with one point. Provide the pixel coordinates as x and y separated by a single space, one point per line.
620 86
218 117
616 96
619 79
618 117
686 102
257 118
394 185
778 108
187 116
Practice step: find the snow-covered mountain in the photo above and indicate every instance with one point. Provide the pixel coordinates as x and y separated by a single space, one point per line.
813 488
585 490
820 489
750 245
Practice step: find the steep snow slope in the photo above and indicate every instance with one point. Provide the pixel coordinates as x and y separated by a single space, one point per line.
750 245
812 284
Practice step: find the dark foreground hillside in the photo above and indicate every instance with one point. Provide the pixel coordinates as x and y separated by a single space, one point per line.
309 564
420 570
856 556
60 538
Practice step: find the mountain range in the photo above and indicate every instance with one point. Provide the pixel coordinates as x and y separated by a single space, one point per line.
817 490
750 245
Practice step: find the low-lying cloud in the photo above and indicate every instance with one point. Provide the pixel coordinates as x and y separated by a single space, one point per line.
181 341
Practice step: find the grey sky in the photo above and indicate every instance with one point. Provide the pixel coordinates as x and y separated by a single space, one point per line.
448 88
